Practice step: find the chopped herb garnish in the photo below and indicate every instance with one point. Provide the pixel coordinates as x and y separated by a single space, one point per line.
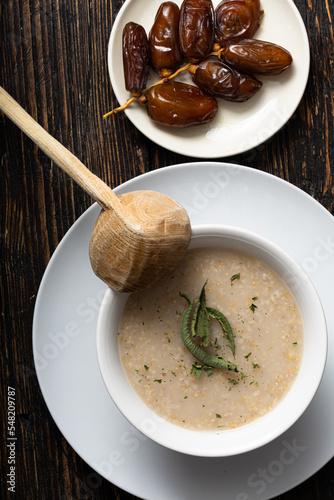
218 416
233 381
252 307
295 343
146 367
235 277
255 298
196 370
185 397
243 376
255 365
173 373
247 355
158 380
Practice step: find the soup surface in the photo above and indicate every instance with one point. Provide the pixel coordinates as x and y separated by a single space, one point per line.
268 335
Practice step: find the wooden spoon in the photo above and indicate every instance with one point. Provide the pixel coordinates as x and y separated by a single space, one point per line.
138 237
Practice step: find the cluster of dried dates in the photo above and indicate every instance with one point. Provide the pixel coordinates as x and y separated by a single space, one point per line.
221 54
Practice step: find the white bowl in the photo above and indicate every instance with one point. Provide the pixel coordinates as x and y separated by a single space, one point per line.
259 432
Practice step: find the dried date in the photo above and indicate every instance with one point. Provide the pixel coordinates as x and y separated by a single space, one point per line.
256 56
196 28
165 51
235 19
178 104
220 80
135 58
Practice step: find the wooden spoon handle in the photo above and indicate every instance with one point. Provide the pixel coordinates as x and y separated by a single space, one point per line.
92 184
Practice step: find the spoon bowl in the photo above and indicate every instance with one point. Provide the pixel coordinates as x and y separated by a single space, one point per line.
141 243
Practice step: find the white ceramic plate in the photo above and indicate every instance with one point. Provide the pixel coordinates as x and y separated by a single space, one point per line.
64 344
237 127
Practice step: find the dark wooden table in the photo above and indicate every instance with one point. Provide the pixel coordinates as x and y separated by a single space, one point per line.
54 62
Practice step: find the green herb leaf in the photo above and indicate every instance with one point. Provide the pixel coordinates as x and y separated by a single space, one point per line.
225 325
255 365
218 416
146 367
158 380
200 324
247 355
203 357
184 296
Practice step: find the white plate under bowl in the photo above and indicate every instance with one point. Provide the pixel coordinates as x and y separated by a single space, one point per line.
64 344
237 127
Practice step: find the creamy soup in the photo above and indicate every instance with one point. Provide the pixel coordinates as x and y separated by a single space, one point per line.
268 337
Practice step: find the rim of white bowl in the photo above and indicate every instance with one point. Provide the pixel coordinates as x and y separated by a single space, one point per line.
266 428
